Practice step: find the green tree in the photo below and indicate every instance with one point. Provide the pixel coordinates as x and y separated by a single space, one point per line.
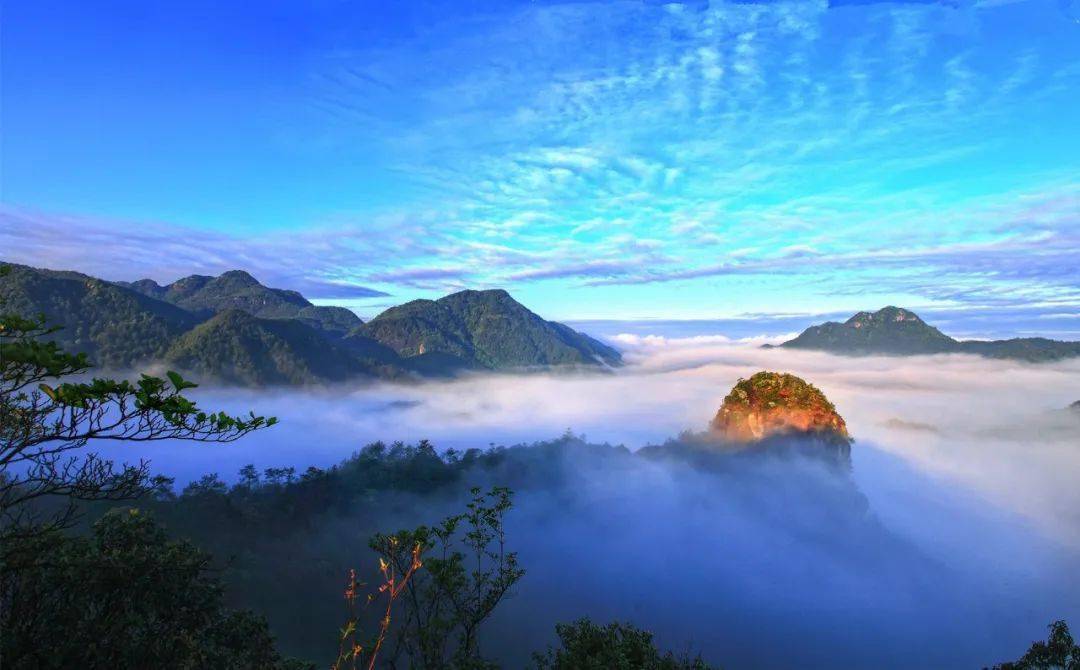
126 597
1059 652
467 573
583 645
45 425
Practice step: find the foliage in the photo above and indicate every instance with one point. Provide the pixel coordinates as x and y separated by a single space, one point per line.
44 425
445 605
233 329
289 535
1030 349
350 651
775 389
117 327
584 645
1058 652
892 330
237 289
771 403
486 329
239 348
125 597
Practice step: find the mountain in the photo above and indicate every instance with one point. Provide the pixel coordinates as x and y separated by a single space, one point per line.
896 331
238 348
484 330
891 330
234 329
115 326
1032 349
236 289
774 403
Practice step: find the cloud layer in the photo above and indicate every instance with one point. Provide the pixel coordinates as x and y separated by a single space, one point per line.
955 541
600 157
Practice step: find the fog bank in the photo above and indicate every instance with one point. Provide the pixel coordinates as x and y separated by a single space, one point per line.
952 543
996 429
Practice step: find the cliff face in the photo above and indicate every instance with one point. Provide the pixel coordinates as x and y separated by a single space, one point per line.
773 403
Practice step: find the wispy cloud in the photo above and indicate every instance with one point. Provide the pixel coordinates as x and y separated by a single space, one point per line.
807 148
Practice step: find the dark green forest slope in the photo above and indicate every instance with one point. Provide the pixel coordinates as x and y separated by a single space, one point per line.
116 327
900 332
487 329
233 329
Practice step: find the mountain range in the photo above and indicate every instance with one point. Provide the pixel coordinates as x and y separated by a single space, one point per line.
900 332
233 329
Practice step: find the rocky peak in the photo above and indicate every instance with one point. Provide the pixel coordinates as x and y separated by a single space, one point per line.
883 316
239 278
774 403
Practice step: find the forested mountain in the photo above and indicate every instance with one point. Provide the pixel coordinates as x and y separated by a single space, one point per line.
483 329
233 329
238 348
896 331
115 326
1033 349
237 289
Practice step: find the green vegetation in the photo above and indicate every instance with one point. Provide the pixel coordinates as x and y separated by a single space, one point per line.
237 289
46 425
888 331
583 645
117 327
772 403
233 329
896 331
1058 652
776 389
444 605
1030 349
484 329
239 348
126 596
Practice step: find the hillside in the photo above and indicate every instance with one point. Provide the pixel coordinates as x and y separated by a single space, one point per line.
238 348
900 332
115 326
233 329
236 289
483 329
891 330
1033 349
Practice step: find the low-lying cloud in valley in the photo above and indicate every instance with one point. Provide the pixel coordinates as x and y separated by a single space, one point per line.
954 542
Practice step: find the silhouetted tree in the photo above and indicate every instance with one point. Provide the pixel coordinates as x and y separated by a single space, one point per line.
467 573
1059 652
583 645
126 597
45 426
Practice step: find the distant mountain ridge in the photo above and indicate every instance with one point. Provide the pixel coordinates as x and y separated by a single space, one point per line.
484 329
242 349
899 332
234 329
236 289
116 327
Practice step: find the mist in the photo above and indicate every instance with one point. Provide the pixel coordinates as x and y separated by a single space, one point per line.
951 542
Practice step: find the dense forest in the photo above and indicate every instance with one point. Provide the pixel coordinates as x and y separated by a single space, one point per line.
233 330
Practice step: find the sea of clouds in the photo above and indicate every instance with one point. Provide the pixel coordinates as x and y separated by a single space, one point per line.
968 469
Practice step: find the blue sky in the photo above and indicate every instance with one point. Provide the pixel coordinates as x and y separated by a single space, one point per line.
601 160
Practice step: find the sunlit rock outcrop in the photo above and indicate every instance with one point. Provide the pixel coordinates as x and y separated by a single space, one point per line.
774 403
